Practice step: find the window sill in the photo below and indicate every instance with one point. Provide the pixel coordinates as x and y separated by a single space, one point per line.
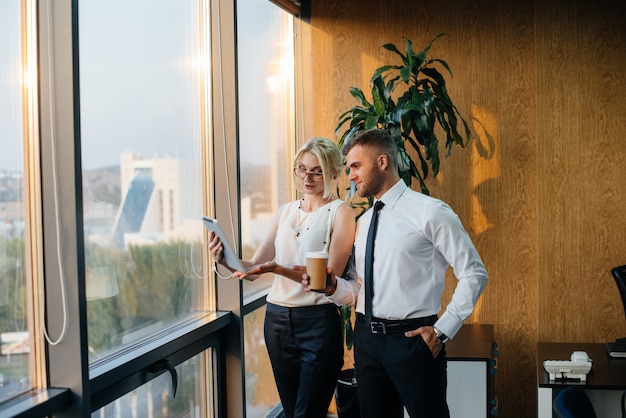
40 403
127 369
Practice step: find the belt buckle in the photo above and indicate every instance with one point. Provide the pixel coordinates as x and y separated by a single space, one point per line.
378 328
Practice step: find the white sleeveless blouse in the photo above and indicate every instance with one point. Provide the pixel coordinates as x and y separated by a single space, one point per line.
298 233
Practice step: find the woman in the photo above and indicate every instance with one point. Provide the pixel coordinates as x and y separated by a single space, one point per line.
303 329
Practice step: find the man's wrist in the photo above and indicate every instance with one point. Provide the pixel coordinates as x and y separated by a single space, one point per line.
334 289
440 335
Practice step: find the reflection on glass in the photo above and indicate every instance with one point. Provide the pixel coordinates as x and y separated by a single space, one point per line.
155 399
266 89
14 333
141 102
261 393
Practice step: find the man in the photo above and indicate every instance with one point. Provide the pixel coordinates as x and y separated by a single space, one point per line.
400 352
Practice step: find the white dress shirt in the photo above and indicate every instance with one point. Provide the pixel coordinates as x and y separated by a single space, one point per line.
418 237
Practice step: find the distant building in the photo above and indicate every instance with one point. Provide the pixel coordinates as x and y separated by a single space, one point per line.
159 200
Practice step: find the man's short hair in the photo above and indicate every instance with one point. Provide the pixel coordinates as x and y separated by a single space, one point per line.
378 139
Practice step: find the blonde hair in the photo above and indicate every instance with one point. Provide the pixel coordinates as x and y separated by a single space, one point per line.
330 160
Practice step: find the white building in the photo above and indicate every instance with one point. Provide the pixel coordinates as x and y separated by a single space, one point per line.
159 199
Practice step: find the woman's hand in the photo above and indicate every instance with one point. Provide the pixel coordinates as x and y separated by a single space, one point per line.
216 247
331 283
256 270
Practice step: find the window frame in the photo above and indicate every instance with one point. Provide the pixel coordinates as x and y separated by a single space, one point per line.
252 301
68 363
67 385
72 387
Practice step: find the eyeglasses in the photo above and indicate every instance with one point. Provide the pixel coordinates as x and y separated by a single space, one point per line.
301 173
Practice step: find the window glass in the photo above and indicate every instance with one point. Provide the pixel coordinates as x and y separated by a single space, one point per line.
15 341
266 124
156 399
141 103
261 393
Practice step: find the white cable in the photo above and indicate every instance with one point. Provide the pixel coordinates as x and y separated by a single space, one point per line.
218 273
65 328
189 270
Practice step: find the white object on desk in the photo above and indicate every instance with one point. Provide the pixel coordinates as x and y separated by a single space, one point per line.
604 385
576 368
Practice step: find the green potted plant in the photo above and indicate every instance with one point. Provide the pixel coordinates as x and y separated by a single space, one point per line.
414 116
411 119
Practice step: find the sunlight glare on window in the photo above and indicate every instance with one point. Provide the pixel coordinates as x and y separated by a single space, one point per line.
266 123
141 132
15 336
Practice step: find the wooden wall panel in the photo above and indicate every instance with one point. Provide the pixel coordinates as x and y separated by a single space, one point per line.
540 186
583 99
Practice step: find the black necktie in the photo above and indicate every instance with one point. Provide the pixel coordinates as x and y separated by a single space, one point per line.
369 262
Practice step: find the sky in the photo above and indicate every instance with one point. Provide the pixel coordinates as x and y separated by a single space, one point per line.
121 77
130 101
10 87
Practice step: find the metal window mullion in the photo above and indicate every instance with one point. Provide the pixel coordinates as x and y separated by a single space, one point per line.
62 203
231 396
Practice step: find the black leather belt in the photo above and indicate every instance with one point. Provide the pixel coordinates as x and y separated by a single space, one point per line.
389 326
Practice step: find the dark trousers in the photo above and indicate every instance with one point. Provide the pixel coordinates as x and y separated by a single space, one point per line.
393 371
306 351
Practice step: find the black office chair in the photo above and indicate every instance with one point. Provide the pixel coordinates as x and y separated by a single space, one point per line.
573 402
619 274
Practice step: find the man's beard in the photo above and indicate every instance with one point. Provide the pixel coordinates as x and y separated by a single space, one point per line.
373 185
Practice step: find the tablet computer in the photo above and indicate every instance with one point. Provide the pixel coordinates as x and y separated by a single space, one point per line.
230 255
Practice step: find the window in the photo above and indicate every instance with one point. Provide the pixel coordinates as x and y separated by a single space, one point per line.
266 122
155 398
267 142
261 393
141 78
101 202
16 336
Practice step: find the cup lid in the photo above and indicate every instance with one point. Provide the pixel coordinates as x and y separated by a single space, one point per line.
317 254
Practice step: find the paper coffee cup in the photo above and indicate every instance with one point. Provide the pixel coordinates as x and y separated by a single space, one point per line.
316 263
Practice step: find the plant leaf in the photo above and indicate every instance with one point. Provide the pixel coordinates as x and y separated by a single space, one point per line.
442 62
380 71
405 73
358 94
425 51
393 48
435 75
410 55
